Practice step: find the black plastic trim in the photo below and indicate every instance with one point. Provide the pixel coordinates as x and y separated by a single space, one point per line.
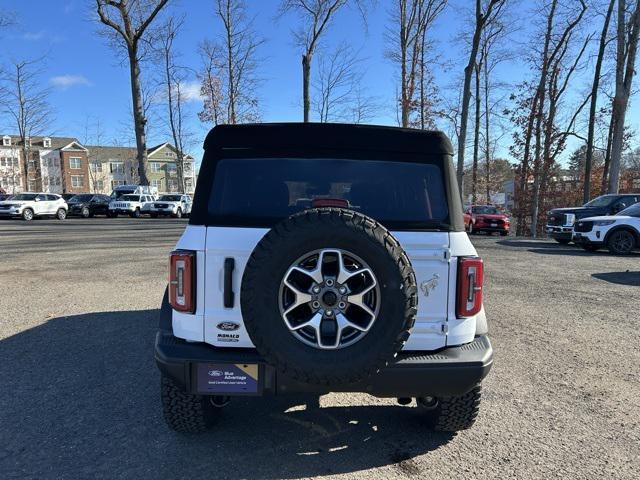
447 372
229 266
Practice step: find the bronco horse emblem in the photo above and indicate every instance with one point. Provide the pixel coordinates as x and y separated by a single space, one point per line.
428 285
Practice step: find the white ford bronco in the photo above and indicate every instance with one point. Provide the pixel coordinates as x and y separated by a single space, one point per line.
324 258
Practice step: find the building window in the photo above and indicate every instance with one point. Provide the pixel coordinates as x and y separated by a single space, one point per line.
171 168
77 181
168 154
46 142
117 167
187 168
116 183
75 163
32 185
155 167
157 184
99 185
173 185
6 141
96 167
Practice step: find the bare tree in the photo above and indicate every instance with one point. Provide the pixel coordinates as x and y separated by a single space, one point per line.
128 21
94 135
409 43
595 88
492 9
316 16
337 90
172 87
627 45
26 106
228 76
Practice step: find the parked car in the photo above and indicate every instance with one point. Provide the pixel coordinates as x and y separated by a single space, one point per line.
5 196
134 190
89 204
67 196
379 293
486 218
619 233
132 205
175 205
560 221
31 205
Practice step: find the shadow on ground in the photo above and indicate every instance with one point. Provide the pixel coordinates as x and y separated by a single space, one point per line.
80 399
620 278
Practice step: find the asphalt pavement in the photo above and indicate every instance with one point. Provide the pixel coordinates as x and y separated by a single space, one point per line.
79 390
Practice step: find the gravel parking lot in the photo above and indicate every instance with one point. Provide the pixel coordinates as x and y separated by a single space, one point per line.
79 394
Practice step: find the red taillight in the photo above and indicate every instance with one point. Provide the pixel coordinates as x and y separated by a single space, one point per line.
470 280
182 280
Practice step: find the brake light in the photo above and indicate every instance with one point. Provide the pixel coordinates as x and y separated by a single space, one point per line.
182 280
330 202
470 281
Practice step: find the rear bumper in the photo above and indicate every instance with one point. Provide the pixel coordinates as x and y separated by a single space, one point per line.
447 372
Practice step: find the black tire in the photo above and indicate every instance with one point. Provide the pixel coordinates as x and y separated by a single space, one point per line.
297 236
562 241
27 214
61 214
621 242
136 213
590 248
178 213
185 412
86 213
452 414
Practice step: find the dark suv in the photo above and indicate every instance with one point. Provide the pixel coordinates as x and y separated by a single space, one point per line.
88 204
324 258
560 221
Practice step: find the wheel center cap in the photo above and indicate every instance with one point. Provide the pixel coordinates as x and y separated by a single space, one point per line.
329 299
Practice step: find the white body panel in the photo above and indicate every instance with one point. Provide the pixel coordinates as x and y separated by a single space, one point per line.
432 254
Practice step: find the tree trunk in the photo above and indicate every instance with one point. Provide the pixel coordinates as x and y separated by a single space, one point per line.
306 75
594 102
487 141
476 139
607 158
231 74
624 78
466 92
138 116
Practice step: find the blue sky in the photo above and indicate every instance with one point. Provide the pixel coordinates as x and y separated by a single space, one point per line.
89 83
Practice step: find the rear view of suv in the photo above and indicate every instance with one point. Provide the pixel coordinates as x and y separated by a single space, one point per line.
323 258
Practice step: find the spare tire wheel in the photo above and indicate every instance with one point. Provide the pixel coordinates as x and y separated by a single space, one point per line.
328 296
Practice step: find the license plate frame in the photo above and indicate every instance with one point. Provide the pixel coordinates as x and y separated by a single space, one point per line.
229 379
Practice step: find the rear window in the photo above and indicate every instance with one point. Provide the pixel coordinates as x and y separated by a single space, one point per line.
259 192
171 198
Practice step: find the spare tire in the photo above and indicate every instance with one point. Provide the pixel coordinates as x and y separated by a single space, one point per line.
328 296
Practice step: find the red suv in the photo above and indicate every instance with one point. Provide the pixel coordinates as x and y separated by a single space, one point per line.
486 218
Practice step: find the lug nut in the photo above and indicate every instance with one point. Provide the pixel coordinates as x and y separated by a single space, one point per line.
342 305
342 290
315 304
316 289
329 283
329 313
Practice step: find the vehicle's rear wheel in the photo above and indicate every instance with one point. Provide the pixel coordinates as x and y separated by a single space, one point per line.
185 412
621 242
328 296
179 213
451 414
563 241
61 214
86 213
27 214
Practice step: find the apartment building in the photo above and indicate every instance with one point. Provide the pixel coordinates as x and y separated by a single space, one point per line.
64 165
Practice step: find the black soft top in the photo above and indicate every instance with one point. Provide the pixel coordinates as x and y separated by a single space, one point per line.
326 140
327 136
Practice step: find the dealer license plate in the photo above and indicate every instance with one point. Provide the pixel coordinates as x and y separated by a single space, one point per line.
228 378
